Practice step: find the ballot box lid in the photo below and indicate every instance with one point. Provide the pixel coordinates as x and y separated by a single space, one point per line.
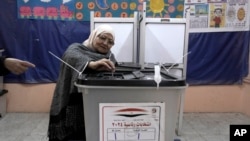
132 77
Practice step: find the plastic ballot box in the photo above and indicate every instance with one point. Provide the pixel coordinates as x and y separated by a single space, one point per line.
127 105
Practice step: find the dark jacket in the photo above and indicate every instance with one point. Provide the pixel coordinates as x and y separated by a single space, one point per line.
3 69
66 113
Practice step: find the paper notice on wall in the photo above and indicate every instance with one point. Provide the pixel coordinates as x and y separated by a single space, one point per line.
236 14
132 121
198 15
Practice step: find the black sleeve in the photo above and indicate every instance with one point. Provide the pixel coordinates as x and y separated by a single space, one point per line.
3 70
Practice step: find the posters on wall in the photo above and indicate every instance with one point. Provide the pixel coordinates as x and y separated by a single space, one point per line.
218 15
205 15
79 10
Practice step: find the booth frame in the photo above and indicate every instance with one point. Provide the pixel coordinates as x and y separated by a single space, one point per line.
179 69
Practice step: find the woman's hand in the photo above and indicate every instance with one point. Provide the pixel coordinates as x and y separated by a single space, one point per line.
102 65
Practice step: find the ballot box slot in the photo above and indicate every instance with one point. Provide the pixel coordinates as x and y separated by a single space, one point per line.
134 78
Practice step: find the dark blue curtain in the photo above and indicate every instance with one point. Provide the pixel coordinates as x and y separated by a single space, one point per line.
216 58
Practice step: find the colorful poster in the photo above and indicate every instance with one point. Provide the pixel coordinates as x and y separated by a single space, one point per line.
217 15
110 8
80 9
46 9
165 8
132 121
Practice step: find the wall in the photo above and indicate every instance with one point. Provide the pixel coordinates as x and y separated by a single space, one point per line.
213 99
29 98
246 97
219 98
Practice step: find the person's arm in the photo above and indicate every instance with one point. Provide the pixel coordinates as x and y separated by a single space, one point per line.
17 66
102 65
3 69
14 66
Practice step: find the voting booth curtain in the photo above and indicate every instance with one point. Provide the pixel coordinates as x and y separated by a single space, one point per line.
215 58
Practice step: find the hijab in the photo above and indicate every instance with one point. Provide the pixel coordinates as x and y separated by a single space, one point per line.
99 30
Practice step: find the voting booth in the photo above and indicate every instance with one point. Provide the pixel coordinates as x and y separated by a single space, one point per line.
130 104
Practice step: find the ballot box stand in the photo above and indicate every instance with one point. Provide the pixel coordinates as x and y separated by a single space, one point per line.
94 95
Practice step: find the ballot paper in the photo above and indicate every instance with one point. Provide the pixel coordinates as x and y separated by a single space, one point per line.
132 121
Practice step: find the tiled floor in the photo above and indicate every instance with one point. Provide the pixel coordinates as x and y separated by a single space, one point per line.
24 127
210 126
196 126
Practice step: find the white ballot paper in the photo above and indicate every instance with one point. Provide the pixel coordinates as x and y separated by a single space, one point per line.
132 121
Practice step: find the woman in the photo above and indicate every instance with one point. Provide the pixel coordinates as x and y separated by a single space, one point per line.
66 114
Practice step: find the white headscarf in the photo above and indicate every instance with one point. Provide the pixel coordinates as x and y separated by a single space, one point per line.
100 29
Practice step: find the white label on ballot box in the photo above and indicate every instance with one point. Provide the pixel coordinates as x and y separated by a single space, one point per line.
132 121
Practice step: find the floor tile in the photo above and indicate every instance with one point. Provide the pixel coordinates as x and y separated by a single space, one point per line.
196 126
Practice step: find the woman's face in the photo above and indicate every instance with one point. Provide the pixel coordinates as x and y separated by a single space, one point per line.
103 43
